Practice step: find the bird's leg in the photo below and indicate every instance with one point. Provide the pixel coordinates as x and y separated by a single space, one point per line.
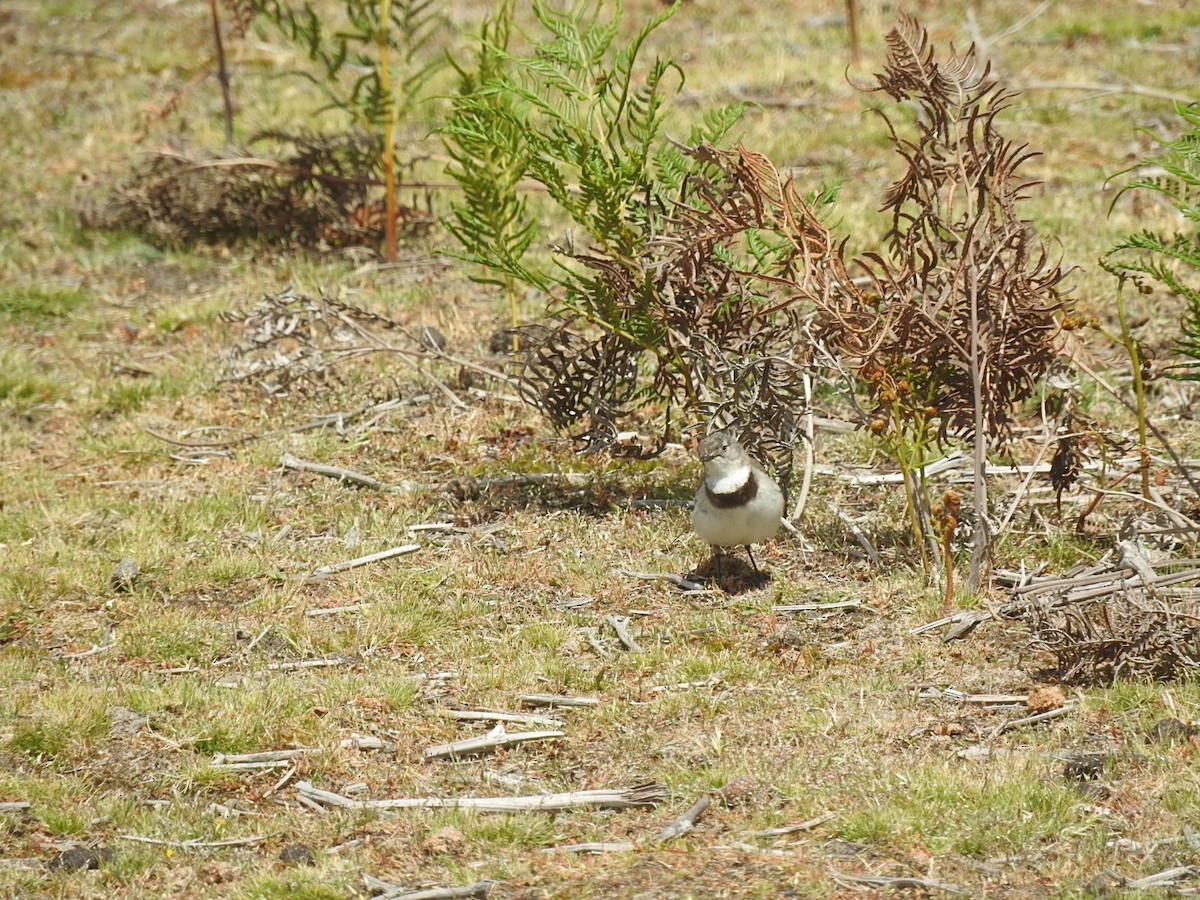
751 555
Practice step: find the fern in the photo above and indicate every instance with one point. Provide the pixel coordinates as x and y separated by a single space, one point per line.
372 66
664 291
1174 261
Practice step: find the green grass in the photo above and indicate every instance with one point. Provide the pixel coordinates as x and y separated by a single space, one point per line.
34 302
814 712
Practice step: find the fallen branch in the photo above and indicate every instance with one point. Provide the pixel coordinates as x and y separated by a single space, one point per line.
199 445
556 700
807 825
890 881
402 550
591 637
595 847
681 825
489 743
679 581
954 460
486 715
640 796
1029 720
859 535
84 654
856 603
961 624
195 844
336 610
264 760
341 659
1166 878
620 624
348 476
385 890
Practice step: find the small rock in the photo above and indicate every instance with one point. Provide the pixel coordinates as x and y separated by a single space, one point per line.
444 842
738 792
1093 791
432 338
75 859
125 722
1084 767
1045 697
298 855
125 574
786 639
1171 731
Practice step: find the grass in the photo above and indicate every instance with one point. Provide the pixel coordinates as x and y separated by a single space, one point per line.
783 717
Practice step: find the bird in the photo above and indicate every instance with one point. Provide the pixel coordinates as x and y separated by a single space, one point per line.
737 503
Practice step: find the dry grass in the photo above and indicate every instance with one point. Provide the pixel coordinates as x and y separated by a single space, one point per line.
792 716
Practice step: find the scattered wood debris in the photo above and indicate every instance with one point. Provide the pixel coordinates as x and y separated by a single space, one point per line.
1118 619
807 825
640 796
684 823
595 847
489 715
620 624
402 550
288 461
385 890
321 662
488 743
591 637
196 844
1165 879
317 611
855 603
897 882
556 700
267 759
684 584
1031 720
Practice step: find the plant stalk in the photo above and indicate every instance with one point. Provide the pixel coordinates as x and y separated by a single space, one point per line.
389 132
222 73
1139 391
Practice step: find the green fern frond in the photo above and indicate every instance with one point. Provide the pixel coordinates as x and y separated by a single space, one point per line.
1174 261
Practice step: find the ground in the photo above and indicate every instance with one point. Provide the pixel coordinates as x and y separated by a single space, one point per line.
122 696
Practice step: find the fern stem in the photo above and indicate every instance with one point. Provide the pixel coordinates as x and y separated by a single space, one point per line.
389 131
1139 392
912 493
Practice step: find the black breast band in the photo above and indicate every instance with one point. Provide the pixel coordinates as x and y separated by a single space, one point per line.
730 499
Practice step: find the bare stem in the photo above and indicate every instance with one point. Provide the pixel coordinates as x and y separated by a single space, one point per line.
389 132
1139 393
222 73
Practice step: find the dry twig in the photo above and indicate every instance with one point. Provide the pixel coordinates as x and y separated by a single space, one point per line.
636 797
686 822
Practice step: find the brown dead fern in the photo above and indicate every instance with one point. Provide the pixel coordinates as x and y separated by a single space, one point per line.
319 190
958 321
698 323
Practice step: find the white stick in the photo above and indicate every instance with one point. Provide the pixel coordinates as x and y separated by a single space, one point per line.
485 715
556 700
364 560
489 743
637 797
